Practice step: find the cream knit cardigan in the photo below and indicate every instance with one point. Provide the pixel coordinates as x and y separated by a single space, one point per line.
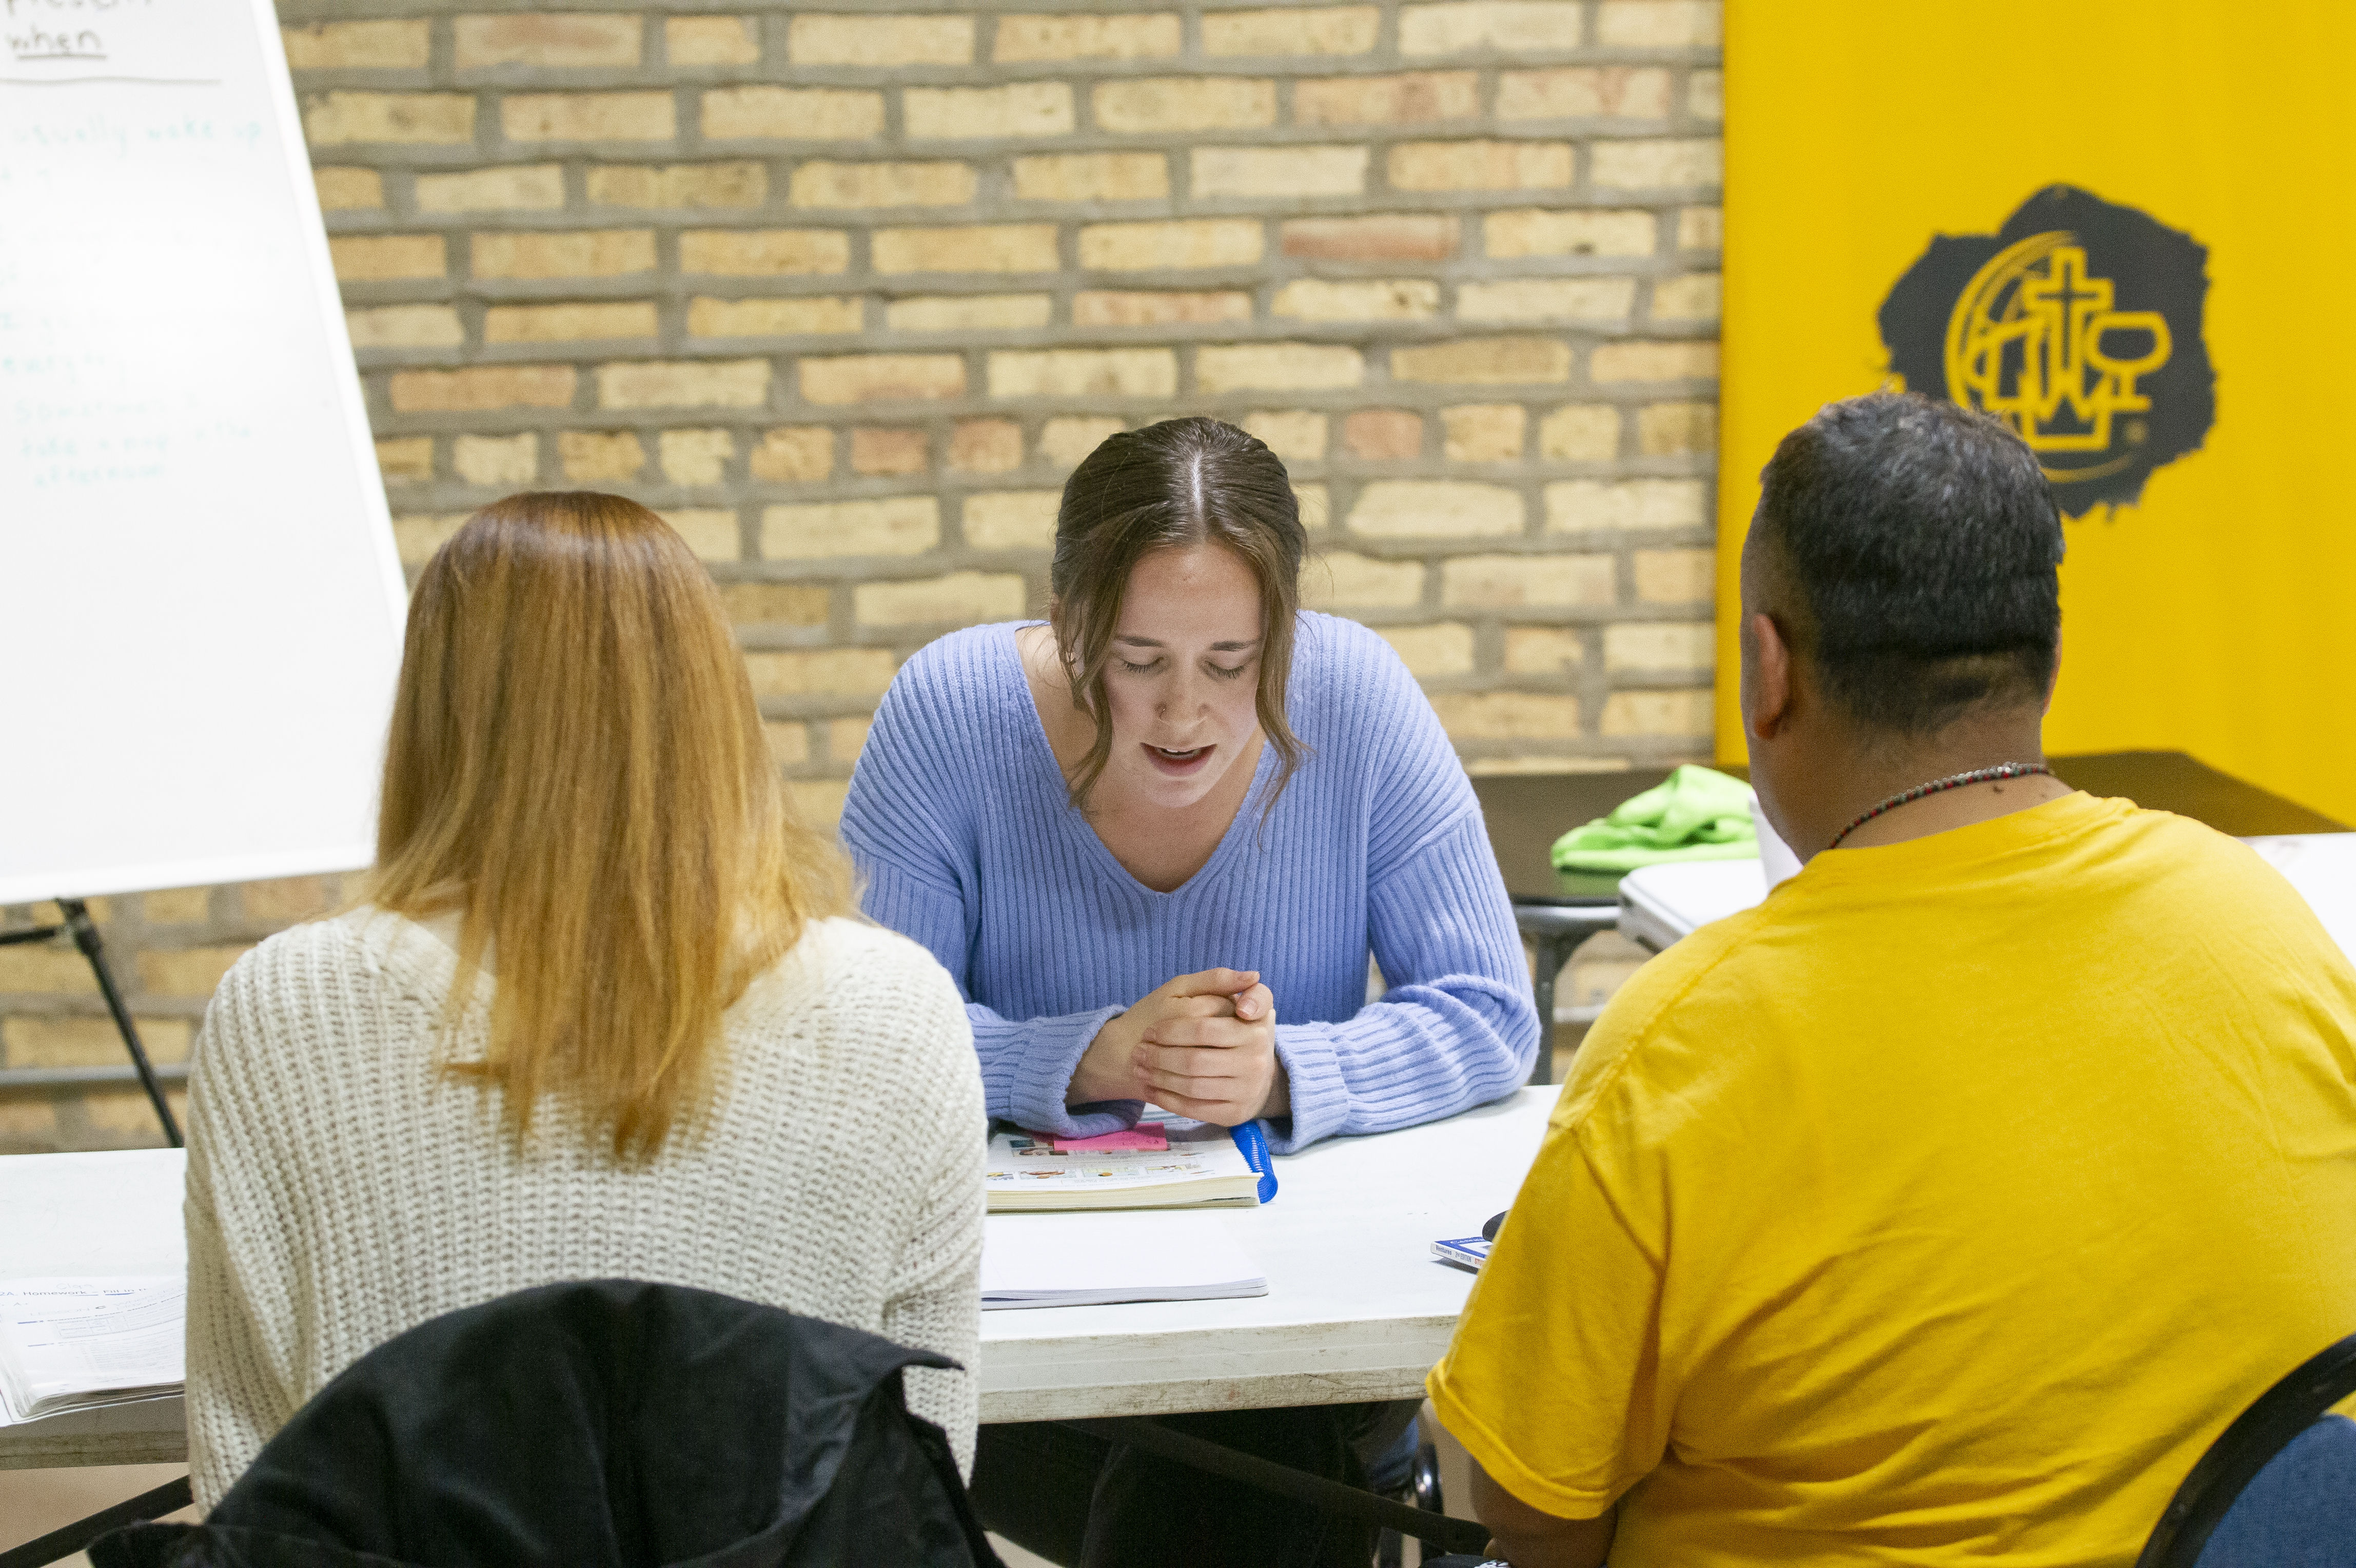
341 1189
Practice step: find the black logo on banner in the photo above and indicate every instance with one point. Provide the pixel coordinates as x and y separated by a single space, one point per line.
2077 324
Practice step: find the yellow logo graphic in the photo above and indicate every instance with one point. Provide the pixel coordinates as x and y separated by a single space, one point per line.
2035 341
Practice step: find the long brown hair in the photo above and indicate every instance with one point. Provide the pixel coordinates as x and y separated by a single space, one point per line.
576 763
1173 485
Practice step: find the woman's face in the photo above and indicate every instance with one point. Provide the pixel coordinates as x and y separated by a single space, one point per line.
1184 676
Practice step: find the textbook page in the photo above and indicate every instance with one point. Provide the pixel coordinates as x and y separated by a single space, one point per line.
1199 1167
77 1343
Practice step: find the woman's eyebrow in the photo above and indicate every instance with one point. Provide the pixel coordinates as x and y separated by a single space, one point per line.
1215 647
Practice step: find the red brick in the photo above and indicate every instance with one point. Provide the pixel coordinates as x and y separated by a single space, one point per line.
1384 434
1379 237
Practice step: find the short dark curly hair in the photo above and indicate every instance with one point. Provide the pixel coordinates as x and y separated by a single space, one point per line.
1921 541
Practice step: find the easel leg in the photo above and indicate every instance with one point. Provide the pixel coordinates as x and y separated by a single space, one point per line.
85 936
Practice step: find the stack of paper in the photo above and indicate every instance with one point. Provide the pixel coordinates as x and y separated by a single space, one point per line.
79 1344
1088 1259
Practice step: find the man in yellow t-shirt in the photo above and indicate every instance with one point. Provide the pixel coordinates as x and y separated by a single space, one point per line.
1946 1207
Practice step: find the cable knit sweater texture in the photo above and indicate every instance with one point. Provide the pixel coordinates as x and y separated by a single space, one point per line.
967 841
341 1188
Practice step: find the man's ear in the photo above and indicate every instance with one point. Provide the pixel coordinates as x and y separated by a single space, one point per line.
1767 670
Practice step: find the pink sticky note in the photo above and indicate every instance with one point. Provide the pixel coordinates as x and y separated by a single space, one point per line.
1145 1136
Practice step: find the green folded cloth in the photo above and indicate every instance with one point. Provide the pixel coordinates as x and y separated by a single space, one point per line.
1696 813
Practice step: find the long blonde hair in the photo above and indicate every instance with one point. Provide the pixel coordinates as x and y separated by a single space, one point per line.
576 762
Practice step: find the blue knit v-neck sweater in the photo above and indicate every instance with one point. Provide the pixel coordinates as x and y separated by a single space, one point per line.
967 841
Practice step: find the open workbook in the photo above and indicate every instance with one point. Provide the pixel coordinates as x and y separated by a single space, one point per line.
79 1344
1166 1164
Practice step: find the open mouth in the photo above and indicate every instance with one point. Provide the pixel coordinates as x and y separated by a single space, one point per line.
1169 760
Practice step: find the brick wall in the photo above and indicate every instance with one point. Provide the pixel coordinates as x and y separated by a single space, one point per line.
845 294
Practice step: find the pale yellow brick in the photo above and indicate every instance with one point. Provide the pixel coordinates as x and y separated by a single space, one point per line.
1087 36
1701 228
588 117
1526 582
1408 98
738 183
1511 27
1682 714
404 460
777 604
819 801
1316 503
1508 715
767 114
820 672
432 119
1084 372
1483 361
1580 433
710 532
91 1042
546 40
385 258
882 378
889 449
1160 105
695 457
1483 431
959 598
986 446
789 744
1653 361
1537 232
1694 296
348 190
124 1118
892 525
976 248
31 1124
1384 434
600 456
188 972
510 187
403 45
1577 92
1345 580
1435 509
1658 24
1676 576
1544 649
1293 30
1444 648
1677 429
1480 164
684 383
46 967
405 327
482 387
1357 299
1295 435
1015 109
712 40
508 461
177 905
1580 506
1012 519
1653 165
880 39
793 454
284 900
1706 95
970 313
1547 299
567 254
416 537
1277 367
1176 243
819 183
600 320
804 315
764 253
1119 307
1065 441
846 738
1278 171
1665 645
1092 176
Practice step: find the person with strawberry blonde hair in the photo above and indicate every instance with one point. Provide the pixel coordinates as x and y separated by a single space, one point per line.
603 1014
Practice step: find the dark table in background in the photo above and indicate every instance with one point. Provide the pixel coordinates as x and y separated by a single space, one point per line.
1557 911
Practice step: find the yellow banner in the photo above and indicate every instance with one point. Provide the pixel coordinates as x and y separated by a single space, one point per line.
2124 227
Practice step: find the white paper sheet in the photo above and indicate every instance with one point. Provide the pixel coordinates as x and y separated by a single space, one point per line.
1088 1259
72 1343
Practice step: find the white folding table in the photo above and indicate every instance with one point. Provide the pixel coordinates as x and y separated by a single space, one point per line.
1356 1309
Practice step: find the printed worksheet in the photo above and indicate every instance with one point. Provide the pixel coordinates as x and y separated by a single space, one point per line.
76 1343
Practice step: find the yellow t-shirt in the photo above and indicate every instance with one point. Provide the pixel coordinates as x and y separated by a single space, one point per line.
1941 1209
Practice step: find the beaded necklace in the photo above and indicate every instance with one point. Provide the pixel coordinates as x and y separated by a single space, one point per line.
1952 781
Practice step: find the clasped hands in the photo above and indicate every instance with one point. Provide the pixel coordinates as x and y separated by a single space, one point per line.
1202 1045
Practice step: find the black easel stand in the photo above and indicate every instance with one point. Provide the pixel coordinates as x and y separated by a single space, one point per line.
85 936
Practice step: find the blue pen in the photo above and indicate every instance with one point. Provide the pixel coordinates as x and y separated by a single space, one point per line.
1252 1140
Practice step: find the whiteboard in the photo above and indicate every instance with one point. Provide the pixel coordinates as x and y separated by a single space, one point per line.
200 603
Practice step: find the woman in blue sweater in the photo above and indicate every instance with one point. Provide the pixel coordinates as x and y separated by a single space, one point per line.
1154 841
